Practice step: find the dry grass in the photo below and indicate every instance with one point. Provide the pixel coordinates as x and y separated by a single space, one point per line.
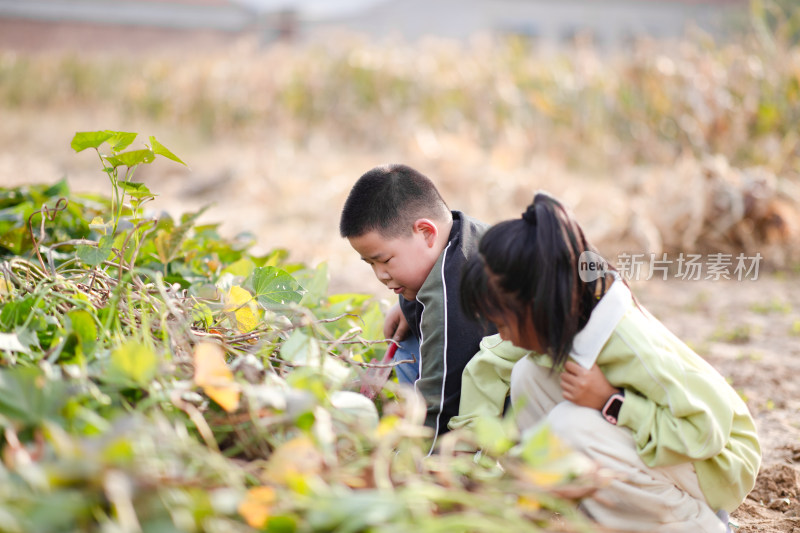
676 147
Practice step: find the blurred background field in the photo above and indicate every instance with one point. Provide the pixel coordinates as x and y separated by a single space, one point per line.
661 143
672 144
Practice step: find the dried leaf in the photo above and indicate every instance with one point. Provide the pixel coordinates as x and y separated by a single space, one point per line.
213 375
256 506
295 458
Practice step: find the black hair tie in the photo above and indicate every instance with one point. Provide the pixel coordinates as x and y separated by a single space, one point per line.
529 215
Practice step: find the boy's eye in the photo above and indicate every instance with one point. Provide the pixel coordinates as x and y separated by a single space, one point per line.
387 260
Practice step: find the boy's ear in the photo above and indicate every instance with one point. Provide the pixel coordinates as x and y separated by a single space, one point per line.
428 229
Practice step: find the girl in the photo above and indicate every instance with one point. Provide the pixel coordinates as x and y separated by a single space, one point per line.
610 379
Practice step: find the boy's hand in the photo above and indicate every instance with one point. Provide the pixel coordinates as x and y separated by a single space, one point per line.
587 388
395 326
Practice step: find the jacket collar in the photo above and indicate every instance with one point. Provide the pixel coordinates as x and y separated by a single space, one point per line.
605 316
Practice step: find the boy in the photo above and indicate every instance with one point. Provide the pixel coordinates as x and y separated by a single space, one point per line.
395 218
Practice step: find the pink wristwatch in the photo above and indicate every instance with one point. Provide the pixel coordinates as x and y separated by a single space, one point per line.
613 404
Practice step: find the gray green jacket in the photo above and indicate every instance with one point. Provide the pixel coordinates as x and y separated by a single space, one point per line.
678 407
448 340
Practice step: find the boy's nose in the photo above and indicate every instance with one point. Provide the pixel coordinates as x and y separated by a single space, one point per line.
382 273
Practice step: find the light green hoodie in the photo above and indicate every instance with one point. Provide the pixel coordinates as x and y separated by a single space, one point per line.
678 407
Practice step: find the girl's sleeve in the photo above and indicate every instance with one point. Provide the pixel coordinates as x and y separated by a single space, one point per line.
682 427
677 405
486 381
680 409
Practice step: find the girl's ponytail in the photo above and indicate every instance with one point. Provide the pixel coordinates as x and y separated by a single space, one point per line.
554 302
529 215
530 267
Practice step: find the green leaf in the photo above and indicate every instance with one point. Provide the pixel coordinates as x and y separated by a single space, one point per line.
243 267
131 159
120 140
57 190
160 149
305 421
316 287
275 257
133 363
95 255
136 190
301 349
168 241
85 328
373 322
275 287
58 511
551 461
119 451
89 139
282 524
67 350
202 313
361 511
347 303
493 435
540 446
16 313
28 397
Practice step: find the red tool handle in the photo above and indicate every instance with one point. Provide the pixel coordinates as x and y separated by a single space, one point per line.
390 352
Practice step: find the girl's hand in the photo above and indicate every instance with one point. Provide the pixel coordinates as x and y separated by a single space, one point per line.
587 388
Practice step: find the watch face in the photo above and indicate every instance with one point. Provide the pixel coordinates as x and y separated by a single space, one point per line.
612 407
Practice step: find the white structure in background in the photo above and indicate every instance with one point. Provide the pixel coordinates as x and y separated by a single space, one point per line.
609 22
176 14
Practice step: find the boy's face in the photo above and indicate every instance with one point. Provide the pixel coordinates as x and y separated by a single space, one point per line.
400 263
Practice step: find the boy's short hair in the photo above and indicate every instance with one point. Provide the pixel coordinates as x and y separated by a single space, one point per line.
389 199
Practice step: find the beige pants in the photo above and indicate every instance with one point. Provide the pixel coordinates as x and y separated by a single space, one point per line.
662 499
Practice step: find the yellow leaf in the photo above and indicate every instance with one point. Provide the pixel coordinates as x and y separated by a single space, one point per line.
295 458
387 424
162 246
240 306
548 460
99 225
5 287
544 478
213 375
529 503
226 397
256 506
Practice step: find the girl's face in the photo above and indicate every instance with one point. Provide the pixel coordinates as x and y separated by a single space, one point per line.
518 330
